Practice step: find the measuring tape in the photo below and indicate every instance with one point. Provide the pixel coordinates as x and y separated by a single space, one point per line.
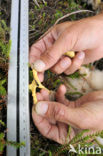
18 99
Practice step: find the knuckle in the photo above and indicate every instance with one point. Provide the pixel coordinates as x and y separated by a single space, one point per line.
59 72
49 58
32 50
66 72
47 131
58 113
56 70
69 37
76 64
44 133
33 47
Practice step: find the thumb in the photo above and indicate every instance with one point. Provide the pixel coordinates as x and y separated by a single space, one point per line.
76 117
64 43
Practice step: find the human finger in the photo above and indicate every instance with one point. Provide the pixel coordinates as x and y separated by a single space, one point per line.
61 65
76 63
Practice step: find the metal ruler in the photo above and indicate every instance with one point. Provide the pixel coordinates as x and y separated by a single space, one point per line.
18 99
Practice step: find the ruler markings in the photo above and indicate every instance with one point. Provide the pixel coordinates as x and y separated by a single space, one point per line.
18 98
24 80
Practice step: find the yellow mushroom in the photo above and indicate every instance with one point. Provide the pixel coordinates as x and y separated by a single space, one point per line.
34 85
71 54
35 76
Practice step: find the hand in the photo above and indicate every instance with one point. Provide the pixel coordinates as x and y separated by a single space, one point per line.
84 36
85 113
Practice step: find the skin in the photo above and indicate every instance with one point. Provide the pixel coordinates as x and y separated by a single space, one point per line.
86 37
85 113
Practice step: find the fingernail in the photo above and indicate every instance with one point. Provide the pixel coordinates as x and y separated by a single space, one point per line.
81 55
41 108
39 65
64 63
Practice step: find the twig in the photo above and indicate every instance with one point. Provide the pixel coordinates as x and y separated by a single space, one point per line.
61 18
69 14
44 1
36 2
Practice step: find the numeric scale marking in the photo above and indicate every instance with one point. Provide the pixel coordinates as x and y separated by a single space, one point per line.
18 99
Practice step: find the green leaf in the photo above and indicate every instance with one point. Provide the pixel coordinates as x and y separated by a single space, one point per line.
2 136
2 123
45 4
1 147
2 91
78 136
69 131
56 83
4 25
42 154
5 48
50 153
58 14
74 93
2 82
15 144
76 75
